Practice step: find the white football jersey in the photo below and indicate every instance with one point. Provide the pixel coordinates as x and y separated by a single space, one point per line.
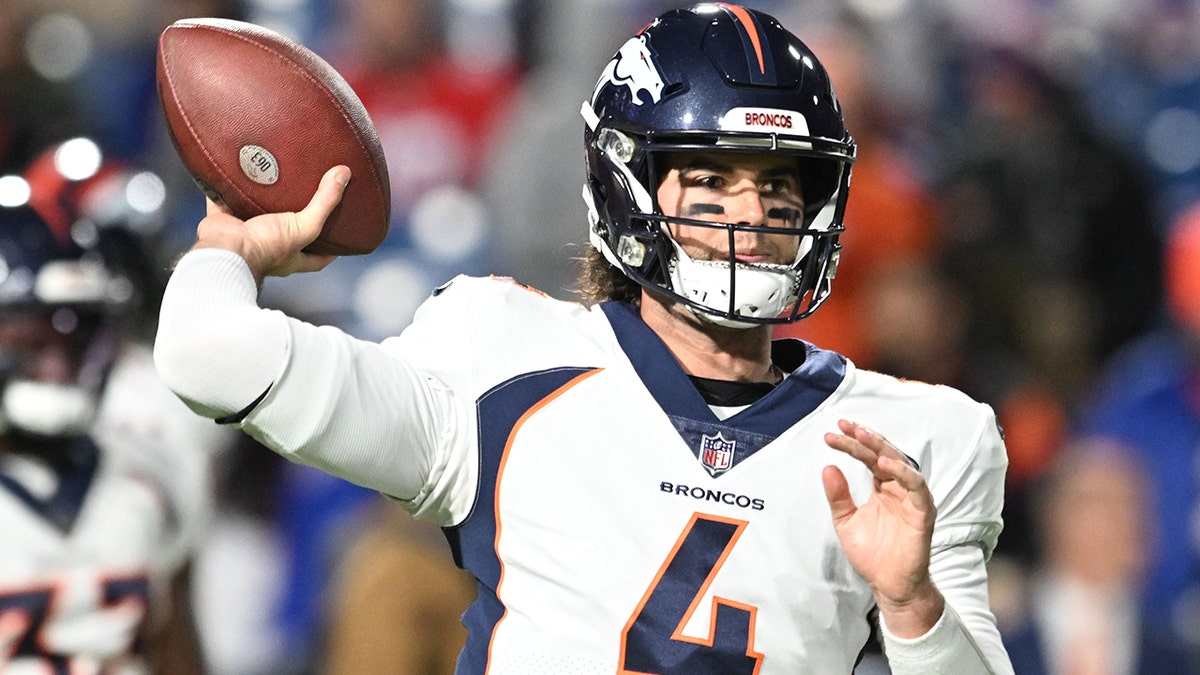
86 550
614 523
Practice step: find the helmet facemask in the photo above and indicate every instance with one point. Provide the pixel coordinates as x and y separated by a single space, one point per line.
719 287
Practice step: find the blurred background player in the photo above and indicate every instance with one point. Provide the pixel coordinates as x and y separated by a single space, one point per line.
1096 532
103 482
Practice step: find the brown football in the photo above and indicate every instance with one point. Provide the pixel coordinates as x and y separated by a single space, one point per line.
258 118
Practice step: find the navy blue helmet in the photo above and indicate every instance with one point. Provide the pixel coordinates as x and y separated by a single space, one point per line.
59 307
716 77
43 268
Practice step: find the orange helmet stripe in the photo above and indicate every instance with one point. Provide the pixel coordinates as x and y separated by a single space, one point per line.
747 22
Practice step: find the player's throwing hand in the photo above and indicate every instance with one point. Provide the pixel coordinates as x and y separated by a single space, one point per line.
271 243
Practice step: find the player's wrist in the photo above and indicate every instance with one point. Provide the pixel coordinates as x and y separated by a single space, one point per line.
225 233
237 247
914 614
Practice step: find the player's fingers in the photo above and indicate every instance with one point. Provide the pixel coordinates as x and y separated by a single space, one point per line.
856 449
218 224
902 472
847 427
837 492
212 208
327 197
874 441
907 477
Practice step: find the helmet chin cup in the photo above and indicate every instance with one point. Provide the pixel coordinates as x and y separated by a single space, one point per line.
47 409
759 291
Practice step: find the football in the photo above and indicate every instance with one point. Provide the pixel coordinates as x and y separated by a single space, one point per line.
257 118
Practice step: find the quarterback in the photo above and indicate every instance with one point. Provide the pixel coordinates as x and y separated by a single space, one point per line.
645 482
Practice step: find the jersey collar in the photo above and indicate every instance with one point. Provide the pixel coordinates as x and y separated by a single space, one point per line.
814 375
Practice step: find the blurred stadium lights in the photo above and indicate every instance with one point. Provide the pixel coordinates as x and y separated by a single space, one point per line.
449 224
480 33
14 191
145 192
78 158
388 294
880 10
58 46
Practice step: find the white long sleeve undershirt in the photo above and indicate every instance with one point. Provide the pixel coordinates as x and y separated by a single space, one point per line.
952 647
210 308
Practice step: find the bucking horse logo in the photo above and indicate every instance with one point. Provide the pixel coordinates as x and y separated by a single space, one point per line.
633 67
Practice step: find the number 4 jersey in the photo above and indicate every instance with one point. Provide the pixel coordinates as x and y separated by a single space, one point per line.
614 522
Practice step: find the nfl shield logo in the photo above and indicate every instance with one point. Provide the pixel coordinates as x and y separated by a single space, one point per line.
716 453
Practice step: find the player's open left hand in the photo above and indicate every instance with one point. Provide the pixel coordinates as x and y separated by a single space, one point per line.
887 538
272 243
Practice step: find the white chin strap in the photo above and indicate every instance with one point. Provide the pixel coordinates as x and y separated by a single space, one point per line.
761 290
47 409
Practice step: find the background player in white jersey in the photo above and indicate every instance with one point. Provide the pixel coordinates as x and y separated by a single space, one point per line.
645 483
100 491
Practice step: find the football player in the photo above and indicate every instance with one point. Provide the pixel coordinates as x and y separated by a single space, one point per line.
644 483
96 511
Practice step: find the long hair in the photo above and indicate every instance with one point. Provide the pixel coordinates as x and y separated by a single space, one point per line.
599 281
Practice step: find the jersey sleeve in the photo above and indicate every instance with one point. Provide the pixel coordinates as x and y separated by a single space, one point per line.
969 489
410 402
472 333
969 492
